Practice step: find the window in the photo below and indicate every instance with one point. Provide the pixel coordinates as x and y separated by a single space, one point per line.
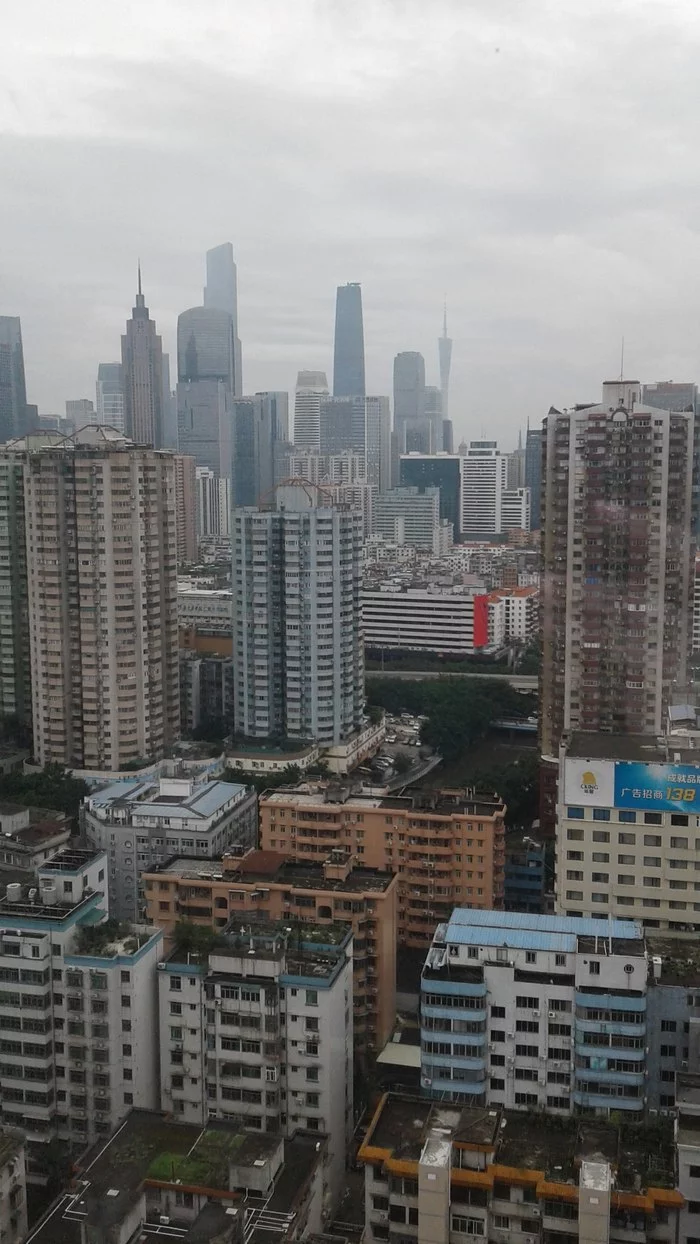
679 844
530 956
312 997
527 1025
497 1085
502 1221
600 835
627 818
669 1025
653 818
527 1051
601 814
600 878
498 1012
594 968
560 961
176 1008
627 840
467 1226
652 840
498 1060
575 814
678 818
597 897
625 878
526 1004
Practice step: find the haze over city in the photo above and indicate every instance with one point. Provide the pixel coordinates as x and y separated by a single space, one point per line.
535 164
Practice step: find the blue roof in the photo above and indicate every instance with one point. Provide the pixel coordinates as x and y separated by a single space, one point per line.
523 930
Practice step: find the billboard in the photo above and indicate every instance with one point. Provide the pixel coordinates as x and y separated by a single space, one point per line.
632 784
657 788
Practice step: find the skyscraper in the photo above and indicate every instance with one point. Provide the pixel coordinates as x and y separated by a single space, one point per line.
110 395
533 473
102 593
361 425
297 644
142 370
443 471
349 349
409 403
206 377
616 565
80 411
205 346
445 359
221 294
311 387
13 392
484 481
259 424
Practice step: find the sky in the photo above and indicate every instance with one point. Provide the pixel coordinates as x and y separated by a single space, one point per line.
533 161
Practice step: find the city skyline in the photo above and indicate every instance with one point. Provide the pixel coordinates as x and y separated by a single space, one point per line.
522 268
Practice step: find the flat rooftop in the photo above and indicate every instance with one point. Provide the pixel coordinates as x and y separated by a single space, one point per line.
679 955
307 947
147 798
423 801
643 747
519 930
267 867
152 1146
642 1155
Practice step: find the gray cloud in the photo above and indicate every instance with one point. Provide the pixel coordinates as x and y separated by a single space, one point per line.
536 162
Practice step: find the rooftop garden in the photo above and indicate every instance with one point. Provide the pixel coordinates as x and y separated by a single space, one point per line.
111 938
206 1165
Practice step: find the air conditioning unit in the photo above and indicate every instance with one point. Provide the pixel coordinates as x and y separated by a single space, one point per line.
536 1014
164 1220
553 1014
426 1082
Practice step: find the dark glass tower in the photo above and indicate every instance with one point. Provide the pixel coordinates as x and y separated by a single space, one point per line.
349 353
221 294
13 396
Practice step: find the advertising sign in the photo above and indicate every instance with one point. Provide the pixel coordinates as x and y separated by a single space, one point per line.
589 783
657 788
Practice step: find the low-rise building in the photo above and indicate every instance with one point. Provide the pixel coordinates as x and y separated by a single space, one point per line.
266 885
29 836
208 1183
264 1020
13 1187
437 1172
446 846
628 829
520 612
78 1009
445 621
141 823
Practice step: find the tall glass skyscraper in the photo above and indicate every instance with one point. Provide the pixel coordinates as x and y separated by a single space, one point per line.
13 393
221 294
205 345
110 395
349 352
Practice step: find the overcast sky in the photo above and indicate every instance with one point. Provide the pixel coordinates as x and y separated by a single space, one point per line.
535 160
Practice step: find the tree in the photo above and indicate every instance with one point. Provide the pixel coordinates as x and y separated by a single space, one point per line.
402 762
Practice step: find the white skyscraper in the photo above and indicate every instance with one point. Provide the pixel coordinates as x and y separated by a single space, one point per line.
297 645
311 387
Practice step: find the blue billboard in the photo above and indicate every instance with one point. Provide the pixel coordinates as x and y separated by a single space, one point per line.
657 788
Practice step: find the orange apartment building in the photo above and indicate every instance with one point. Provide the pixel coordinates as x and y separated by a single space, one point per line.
268 886
447 846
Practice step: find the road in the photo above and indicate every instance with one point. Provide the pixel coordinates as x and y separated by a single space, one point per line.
521 682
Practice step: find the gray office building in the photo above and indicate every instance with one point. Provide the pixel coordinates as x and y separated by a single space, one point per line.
142 371
109 393
221 294
259 425
13 393
443 471
349 351
205 373
412 422
533 474
362 425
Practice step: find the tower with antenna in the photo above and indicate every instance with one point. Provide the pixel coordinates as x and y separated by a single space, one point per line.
445 358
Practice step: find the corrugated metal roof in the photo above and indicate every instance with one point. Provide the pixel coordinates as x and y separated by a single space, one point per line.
513 939
522 921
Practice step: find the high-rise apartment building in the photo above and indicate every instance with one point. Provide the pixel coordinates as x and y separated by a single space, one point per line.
533 473
484 482
110 395
15 664
311 388
259 428
142 373
616 562
447 846
13 391
102 598
297 646
221 294
349 349
186 509
409 403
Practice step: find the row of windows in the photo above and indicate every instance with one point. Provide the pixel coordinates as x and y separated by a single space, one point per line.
626 817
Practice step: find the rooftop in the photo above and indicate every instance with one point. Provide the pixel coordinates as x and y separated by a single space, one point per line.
643 747
642 1155
306 947
167 797
679 955
270 867
150 1146
11 1142
519 930
459 801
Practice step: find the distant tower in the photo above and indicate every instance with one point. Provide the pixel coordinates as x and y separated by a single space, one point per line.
13 395
142 373
349 352
311 387
445 357
221 294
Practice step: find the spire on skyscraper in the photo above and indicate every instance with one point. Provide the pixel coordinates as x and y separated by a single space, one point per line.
445 359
